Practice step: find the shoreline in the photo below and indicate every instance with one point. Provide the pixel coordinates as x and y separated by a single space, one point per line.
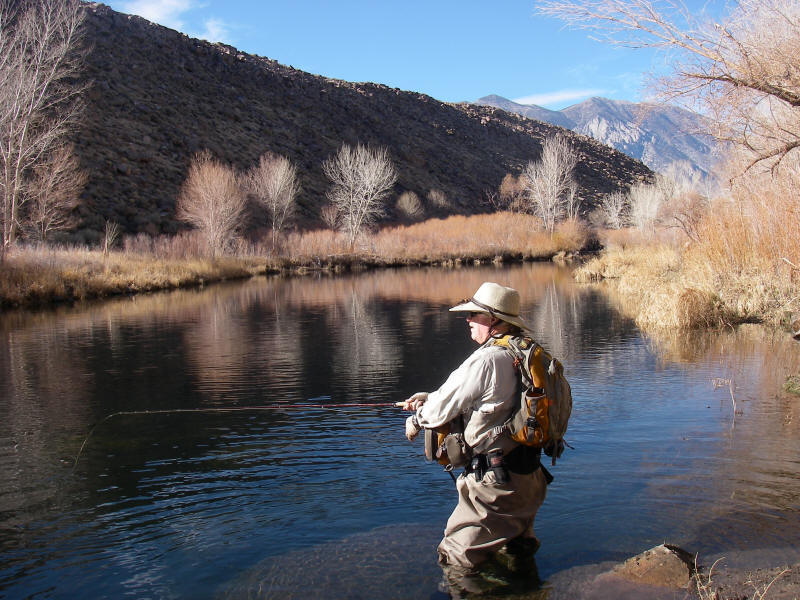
31 282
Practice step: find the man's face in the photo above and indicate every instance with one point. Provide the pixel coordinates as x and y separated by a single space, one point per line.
480 325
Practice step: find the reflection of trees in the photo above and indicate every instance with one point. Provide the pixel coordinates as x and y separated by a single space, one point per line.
42 384
217 346
751 471
365 349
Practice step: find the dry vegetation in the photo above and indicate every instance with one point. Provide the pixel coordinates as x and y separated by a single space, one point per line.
738 258
501 236
36 275
742 267
31 276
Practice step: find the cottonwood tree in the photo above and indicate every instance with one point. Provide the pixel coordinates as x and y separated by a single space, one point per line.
361 178
409 206
40 56
273 183
743 70
612 207
685 197
549 182
645 200
213 201
512 193
54 189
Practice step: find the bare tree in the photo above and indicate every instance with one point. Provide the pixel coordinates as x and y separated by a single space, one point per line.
512 192
439 200
645 200
329 216
361 178
684 205
273 183
39 96
410 207
549 182
55 187
743 70
110 236
612 207
212 200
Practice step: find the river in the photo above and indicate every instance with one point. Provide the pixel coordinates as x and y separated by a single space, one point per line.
683 438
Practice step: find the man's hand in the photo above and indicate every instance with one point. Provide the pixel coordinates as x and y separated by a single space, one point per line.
415 401
412 428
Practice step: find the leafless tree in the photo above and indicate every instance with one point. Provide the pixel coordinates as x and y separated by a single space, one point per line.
549 182
212 200
110 236
329 216
273 183
361 178
439 200
645 200
684 203
40 56
512 192
54 191
410 207
743 70
612 207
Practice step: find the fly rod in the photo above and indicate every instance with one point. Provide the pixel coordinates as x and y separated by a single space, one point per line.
166 411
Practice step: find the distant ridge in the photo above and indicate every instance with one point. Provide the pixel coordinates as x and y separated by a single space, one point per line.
158 96
657 135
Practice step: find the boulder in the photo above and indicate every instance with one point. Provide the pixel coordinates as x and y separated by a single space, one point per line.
664 565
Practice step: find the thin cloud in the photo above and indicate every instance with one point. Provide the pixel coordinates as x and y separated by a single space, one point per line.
164 12
171 13
558 97
216 30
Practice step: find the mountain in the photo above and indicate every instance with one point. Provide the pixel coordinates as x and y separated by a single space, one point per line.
158 96
660 136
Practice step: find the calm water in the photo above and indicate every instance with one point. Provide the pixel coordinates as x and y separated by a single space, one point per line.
334 502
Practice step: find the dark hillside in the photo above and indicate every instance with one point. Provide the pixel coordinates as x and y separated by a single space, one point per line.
159 96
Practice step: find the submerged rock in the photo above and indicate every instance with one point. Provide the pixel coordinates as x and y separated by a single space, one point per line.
664 565
661 573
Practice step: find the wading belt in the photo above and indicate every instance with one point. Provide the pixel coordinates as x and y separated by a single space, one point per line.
522 460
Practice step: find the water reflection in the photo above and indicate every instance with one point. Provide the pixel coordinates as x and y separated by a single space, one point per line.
237 495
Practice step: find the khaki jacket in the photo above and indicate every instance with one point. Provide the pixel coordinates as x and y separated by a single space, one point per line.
483 389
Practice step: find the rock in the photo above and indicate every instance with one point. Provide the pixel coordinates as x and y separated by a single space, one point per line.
664 566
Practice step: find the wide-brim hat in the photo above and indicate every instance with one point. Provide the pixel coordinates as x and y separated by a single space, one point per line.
495 300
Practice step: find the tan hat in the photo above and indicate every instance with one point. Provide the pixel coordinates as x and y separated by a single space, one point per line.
495 300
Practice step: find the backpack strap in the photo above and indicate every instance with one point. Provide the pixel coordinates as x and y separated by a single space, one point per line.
509 345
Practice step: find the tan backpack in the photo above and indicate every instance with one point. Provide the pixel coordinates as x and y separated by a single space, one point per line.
541 418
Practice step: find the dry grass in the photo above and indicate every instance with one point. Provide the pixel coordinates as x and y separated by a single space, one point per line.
32 276
502 234
457 238
744 266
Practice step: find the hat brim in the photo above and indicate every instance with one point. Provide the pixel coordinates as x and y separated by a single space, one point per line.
472 307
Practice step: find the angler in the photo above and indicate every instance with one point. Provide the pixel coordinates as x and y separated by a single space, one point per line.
503 484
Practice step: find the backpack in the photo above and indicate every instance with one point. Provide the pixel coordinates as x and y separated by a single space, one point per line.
540 419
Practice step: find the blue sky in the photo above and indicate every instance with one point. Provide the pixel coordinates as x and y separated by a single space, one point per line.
453 50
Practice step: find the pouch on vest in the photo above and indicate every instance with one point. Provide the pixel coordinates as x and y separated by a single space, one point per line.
446 445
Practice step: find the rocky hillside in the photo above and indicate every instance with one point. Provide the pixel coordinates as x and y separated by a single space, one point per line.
158 97
657 135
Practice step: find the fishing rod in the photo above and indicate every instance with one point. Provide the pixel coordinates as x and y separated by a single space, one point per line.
226 409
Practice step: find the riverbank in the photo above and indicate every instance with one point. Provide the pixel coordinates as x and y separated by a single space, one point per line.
665 286
667 572
37 276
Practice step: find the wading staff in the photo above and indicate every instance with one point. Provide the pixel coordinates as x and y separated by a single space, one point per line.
167 411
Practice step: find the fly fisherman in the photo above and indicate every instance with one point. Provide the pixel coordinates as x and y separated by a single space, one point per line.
502 486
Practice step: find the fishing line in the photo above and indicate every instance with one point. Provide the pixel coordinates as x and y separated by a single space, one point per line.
166 411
